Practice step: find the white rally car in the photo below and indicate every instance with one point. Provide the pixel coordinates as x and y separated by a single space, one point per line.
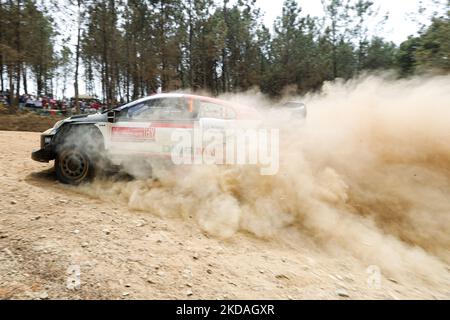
82 144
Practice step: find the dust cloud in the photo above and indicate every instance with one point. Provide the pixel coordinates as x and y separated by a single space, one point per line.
368 172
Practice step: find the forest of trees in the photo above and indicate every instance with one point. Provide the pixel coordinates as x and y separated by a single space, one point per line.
128 49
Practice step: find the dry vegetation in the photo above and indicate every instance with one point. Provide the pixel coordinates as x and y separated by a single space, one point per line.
15 120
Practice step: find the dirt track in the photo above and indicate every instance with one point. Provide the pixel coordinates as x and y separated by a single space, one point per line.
47 230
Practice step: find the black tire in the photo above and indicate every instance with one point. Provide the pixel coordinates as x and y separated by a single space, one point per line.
74 166
79 155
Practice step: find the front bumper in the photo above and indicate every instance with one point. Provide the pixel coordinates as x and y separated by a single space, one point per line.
43 155
46 153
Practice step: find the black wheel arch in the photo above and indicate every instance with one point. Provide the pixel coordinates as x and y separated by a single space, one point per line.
80 135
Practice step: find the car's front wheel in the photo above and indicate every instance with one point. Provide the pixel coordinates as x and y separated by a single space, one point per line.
73 166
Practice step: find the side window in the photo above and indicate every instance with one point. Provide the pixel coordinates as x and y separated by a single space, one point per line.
134 111
160 109
214 110
174 109
151 110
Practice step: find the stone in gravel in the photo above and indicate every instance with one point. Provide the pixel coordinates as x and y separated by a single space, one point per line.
76 231
43 295
342 293
282 277
125 294
209 271
187 274
106 231
392 297
393 280
84 244
348 278
160 273
13 202
189 292
140 223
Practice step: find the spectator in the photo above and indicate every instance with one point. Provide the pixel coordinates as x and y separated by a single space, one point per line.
29 103
38 103
95 105
22 101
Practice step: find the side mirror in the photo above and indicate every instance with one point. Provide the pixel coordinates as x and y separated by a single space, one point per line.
298 109
111 117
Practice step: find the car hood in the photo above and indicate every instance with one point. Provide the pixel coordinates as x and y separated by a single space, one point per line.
91 118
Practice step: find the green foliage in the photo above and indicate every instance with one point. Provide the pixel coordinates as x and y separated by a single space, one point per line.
136 47
406 58
434 50
26 42
428 52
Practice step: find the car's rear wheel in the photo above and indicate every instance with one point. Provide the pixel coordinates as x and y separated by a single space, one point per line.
73 166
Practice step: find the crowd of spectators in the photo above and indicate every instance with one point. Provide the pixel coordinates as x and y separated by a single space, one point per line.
65 106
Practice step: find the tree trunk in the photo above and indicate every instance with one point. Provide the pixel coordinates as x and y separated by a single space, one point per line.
2 85
39 82
11 85
77 59
191 47
225 86
107 73
163 12
19 50
335 44
25 82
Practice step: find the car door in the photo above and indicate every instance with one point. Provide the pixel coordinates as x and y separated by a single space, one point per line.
146 128
215 119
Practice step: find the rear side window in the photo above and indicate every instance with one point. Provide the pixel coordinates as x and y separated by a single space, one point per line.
216 111
161 109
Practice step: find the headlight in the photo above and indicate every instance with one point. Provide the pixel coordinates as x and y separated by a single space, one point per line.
47 140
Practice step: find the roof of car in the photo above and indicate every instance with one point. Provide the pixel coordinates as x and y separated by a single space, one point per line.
171 95
242 110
